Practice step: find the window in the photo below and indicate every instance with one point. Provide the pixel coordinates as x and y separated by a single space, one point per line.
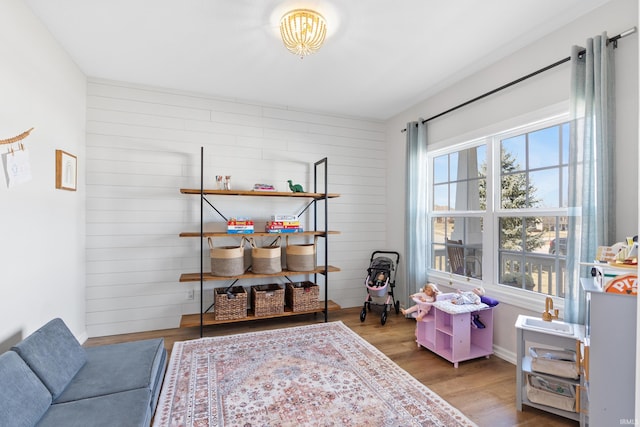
498 208
459 180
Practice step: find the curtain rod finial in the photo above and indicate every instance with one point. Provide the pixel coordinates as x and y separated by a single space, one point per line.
628 32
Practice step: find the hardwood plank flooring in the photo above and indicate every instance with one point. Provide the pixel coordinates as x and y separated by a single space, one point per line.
483 389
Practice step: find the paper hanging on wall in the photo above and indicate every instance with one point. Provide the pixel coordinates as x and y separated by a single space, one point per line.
17 167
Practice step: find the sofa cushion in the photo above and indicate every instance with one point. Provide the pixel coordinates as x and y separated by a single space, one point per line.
54 354
117 367
23 397
125 409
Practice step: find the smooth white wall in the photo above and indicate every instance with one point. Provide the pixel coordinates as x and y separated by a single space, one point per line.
42 238
143 145
544 90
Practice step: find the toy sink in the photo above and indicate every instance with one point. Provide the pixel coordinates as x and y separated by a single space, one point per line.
555 326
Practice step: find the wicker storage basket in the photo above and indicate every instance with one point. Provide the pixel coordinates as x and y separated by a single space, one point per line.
227 261
267 300
231 304
301 257
302 296
266 259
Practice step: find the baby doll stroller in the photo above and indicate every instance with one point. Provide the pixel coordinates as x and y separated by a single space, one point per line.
379 284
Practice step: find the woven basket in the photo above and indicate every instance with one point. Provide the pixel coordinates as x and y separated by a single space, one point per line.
231 304
227 261
302 296
267 300
266 259
301 257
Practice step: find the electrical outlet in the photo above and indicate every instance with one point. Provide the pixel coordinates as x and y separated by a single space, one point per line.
190 294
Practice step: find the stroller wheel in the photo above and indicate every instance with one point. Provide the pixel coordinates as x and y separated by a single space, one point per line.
369 306
397 305
383 318
363 315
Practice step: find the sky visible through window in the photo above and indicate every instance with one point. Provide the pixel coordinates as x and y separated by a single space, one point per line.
542 156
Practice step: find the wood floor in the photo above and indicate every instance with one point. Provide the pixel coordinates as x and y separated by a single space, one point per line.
483 389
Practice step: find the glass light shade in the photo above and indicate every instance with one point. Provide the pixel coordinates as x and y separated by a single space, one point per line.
303 31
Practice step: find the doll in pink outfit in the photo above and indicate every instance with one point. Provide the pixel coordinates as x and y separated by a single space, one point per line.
428 294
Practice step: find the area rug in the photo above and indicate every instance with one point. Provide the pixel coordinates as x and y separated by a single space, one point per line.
316 375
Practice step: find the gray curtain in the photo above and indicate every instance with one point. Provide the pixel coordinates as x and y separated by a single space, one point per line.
416 208
591 174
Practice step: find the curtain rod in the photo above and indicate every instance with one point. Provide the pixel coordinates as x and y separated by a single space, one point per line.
613 40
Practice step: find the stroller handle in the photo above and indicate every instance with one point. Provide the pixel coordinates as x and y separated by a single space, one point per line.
373 255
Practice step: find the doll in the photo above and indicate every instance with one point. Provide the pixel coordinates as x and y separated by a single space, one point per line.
428 294
468 297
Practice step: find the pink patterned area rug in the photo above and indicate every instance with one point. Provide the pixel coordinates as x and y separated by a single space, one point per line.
316 375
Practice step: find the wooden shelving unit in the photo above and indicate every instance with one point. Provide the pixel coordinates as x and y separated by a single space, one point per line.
204 317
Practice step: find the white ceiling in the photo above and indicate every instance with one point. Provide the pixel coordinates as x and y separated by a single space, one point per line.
381 56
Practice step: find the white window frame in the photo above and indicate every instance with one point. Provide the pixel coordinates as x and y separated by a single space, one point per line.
491 137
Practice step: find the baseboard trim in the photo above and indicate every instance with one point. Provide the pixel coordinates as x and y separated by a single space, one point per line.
505 354
83 337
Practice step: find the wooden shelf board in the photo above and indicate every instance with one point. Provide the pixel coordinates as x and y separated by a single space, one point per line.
195 277
261 234
192 320
258 193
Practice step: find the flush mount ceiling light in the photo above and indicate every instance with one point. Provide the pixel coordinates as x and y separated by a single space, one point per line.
303 31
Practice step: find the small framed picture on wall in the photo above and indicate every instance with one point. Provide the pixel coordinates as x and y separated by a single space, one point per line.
66 171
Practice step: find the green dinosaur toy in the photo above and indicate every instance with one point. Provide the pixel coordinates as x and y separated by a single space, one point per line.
296 188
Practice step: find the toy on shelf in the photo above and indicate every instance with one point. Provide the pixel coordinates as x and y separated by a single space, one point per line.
223 182
296 188
263 187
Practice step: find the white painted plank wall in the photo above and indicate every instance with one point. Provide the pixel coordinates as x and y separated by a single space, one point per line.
143 145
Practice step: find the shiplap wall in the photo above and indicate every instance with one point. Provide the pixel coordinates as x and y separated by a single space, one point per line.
143 145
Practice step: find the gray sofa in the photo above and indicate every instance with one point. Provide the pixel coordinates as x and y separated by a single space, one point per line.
49 379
